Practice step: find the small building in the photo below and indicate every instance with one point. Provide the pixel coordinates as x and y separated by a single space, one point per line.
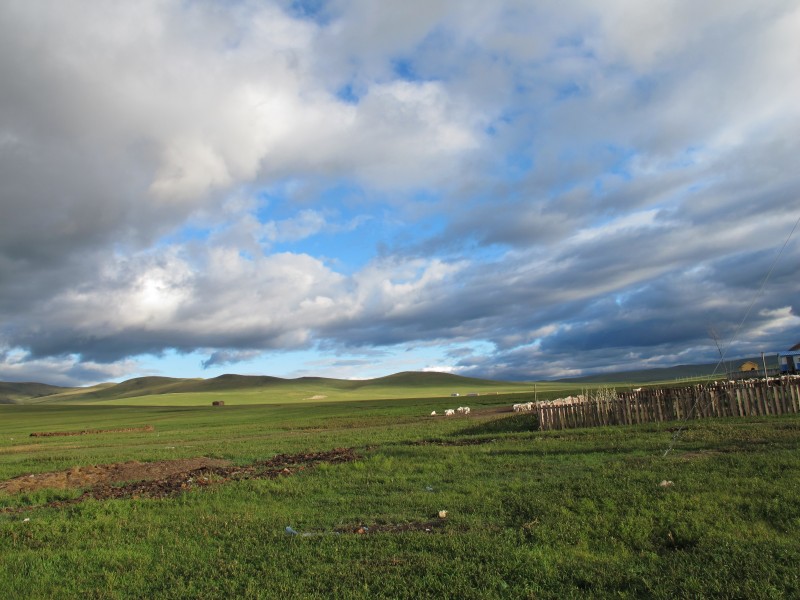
748 366
789 362
218 403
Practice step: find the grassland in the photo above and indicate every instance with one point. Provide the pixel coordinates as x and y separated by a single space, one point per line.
530 514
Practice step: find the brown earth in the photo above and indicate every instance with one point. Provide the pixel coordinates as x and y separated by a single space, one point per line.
93 475
166 478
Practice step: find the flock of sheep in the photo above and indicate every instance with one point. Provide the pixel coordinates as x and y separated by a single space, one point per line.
517 408
530 406
753 380
462 410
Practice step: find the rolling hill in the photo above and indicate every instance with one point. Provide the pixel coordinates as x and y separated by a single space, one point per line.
19 393
245 389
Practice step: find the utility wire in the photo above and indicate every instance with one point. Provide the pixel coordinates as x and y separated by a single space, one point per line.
735 333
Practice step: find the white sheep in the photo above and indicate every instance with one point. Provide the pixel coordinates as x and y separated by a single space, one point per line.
449 412
464 410
433 414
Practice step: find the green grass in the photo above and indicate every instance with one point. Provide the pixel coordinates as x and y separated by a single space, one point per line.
566 514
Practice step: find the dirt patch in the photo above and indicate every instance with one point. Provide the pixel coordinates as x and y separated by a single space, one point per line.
317 397
94 475
165 479
145 429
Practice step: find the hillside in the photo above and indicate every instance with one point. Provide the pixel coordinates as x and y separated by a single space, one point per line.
426 379
17 393
244 389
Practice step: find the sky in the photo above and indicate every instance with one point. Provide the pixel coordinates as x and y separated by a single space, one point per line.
511 189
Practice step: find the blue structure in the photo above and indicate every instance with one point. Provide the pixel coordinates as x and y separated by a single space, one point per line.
789 362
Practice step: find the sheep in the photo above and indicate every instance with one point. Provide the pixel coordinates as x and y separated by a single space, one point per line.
449 412
463 410
433 414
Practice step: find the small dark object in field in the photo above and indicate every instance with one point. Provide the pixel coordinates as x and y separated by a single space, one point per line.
218 403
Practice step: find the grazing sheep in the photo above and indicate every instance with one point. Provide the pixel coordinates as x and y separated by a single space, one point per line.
463 410
433 414
449 412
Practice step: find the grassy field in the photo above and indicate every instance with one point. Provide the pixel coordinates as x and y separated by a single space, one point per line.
530 514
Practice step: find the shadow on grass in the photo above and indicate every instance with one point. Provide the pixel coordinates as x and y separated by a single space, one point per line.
520 423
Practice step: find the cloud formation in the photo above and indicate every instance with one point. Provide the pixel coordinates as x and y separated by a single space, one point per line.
533 189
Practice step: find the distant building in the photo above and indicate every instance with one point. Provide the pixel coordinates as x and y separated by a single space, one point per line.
455 394
218 403
789 362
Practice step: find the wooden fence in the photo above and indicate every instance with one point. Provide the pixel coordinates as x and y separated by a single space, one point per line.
673 404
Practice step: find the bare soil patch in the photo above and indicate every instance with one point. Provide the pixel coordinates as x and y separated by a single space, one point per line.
94 475
163 479
145 429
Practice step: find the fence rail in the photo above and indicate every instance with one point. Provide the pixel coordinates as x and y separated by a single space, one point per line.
674 404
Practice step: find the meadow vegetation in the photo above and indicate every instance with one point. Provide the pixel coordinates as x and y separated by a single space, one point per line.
578 513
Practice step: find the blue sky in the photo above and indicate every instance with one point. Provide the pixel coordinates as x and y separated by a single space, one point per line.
512 190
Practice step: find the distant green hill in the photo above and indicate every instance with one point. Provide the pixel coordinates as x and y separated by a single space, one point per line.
17 393
244 389
424 379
